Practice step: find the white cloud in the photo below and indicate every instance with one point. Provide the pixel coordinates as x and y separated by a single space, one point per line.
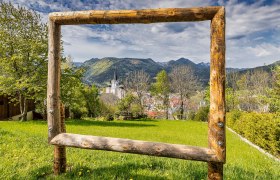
248 27
243 19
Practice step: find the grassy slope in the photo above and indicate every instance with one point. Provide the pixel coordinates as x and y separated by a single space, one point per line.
25 154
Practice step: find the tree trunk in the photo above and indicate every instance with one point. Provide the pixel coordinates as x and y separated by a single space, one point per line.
233 100
23 108
166 102
166 116
181 108
20 104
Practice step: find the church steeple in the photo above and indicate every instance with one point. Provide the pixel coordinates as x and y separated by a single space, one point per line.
115 88
115 74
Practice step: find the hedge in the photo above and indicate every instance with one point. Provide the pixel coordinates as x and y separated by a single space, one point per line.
261 129
202 114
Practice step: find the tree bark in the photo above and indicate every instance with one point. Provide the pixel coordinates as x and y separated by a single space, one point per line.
20 103
55 118
60 151
134 16
217 117
135 146
23 107
215 171
166 103
181 108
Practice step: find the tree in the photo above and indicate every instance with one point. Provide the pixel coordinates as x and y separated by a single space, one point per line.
23 55
125 104
138 81
275 92
161 88
183 82
253 88
231 90
92 100
72 89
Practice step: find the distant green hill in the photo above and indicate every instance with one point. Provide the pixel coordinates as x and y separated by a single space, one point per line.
100 71
267 68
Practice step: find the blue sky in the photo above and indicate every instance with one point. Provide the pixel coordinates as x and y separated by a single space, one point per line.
252 32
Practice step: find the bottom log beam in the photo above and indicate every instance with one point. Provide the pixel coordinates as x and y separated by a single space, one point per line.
135 146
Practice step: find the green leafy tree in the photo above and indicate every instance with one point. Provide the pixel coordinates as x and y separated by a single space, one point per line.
92 100
274 100
232 90
231 99
125 104
72 90
161 88
23 55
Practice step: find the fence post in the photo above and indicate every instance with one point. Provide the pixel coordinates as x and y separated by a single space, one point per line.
216 124
54 111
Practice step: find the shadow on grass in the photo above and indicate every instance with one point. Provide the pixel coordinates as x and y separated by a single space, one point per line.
106 123
143 120
124 171
131 171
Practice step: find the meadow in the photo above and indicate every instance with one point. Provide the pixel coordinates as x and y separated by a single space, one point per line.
25 153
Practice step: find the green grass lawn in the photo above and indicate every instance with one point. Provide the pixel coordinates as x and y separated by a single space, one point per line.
25 154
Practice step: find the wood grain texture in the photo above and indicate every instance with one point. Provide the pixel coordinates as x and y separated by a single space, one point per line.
134 16
54 113
59 165
134 146
217 116
215 171
53 89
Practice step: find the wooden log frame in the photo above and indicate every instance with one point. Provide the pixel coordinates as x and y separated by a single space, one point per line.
135 147
215 154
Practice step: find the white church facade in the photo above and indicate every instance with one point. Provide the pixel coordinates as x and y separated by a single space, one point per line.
115 88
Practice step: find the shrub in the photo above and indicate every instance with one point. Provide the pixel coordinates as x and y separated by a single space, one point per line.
109 117
78 112
107 111
136 110
190 115
202 114
232 117
261 129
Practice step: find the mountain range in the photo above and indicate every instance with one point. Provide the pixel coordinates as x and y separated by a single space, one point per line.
101 71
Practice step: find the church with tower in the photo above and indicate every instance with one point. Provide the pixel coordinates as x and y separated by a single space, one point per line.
115 88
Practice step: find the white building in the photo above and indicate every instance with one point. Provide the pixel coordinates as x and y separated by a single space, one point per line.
115 88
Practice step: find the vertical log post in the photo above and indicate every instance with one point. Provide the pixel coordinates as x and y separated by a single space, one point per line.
53 96
216 124
60 151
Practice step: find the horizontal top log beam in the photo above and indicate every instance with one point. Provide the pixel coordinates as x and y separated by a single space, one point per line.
134 16
135 146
